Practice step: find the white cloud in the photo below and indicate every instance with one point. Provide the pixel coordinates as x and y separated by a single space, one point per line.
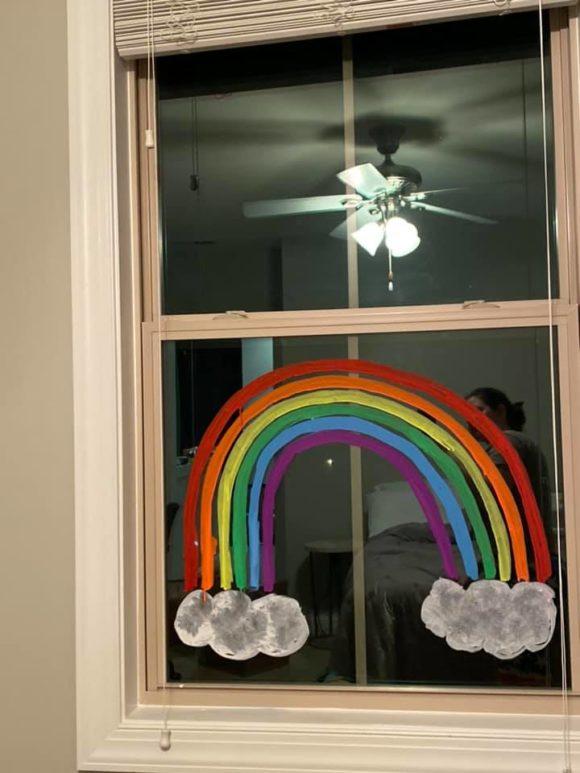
237 628
491 616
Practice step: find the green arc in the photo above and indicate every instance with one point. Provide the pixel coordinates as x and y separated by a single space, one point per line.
356 399
440 458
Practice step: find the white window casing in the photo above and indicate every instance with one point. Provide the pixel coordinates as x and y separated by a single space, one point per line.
115 730
176 26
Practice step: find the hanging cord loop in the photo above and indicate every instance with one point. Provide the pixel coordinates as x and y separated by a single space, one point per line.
551 329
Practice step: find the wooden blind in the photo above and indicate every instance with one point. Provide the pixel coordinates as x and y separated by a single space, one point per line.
191 25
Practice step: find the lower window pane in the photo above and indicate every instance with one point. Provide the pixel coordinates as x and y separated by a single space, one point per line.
352 543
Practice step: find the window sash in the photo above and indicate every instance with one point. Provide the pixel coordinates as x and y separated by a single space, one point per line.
153 634
565 238
469 315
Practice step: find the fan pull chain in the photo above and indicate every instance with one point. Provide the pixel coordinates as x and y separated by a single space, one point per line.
384 219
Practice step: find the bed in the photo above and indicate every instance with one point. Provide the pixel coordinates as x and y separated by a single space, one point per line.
401 564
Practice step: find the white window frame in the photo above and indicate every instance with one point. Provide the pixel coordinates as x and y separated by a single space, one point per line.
117 732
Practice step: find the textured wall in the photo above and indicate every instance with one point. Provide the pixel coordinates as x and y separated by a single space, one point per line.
36 450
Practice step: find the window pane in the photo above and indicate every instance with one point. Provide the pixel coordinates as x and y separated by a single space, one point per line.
329 492
236 127
268 123
469 124
515 361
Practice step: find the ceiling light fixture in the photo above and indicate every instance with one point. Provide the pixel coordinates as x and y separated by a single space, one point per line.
370 237
400 238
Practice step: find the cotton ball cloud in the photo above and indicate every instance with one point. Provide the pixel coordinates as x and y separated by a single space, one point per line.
491 616
237 628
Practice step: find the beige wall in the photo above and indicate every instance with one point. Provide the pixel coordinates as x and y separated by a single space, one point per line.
36 473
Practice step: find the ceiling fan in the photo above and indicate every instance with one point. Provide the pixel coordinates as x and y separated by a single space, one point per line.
382 195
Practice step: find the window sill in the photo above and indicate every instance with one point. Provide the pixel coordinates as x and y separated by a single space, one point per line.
300 740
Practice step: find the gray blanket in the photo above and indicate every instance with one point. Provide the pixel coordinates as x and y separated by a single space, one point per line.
401 564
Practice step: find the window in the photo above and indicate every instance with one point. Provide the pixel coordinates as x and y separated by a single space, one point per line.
119 712
252 281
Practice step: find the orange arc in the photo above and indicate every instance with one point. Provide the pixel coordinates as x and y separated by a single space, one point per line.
222 449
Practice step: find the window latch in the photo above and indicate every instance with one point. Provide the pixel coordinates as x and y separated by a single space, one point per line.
235 313
478 304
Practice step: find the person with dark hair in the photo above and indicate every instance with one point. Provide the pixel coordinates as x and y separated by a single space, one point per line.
511 418
496 404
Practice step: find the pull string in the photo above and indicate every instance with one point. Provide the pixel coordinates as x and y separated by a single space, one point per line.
149 138
165 733
194 181
555 451
391 285
148 18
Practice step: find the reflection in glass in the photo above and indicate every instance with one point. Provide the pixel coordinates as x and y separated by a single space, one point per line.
239 126
317 504
449 170
468 127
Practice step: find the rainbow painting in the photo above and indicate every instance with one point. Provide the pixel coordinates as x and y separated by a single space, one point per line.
413 423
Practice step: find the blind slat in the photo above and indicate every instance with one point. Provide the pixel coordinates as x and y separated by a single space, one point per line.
190 25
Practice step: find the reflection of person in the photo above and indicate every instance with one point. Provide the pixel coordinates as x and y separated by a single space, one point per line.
510 417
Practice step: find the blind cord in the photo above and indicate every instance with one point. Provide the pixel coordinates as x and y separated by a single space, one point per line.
165 733
149 137
551 328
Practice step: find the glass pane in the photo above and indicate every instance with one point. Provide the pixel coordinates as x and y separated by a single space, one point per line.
456 127
330 493
516 362
242 126
198 378
466 124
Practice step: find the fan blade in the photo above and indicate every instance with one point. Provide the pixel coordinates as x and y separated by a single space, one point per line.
471 188
305 206
354 221
420 194
365 179
452 213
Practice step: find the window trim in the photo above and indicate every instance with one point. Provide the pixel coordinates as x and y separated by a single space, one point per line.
114 731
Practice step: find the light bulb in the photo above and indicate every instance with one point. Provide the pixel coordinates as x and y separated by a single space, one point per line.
401 237
370 236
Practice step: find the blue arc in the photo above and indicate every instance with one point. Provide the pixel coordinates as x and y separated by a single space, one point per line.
438 485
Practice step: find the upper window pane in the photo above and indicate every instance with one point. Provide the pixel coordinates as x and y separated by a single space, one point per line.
273 123
241 126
